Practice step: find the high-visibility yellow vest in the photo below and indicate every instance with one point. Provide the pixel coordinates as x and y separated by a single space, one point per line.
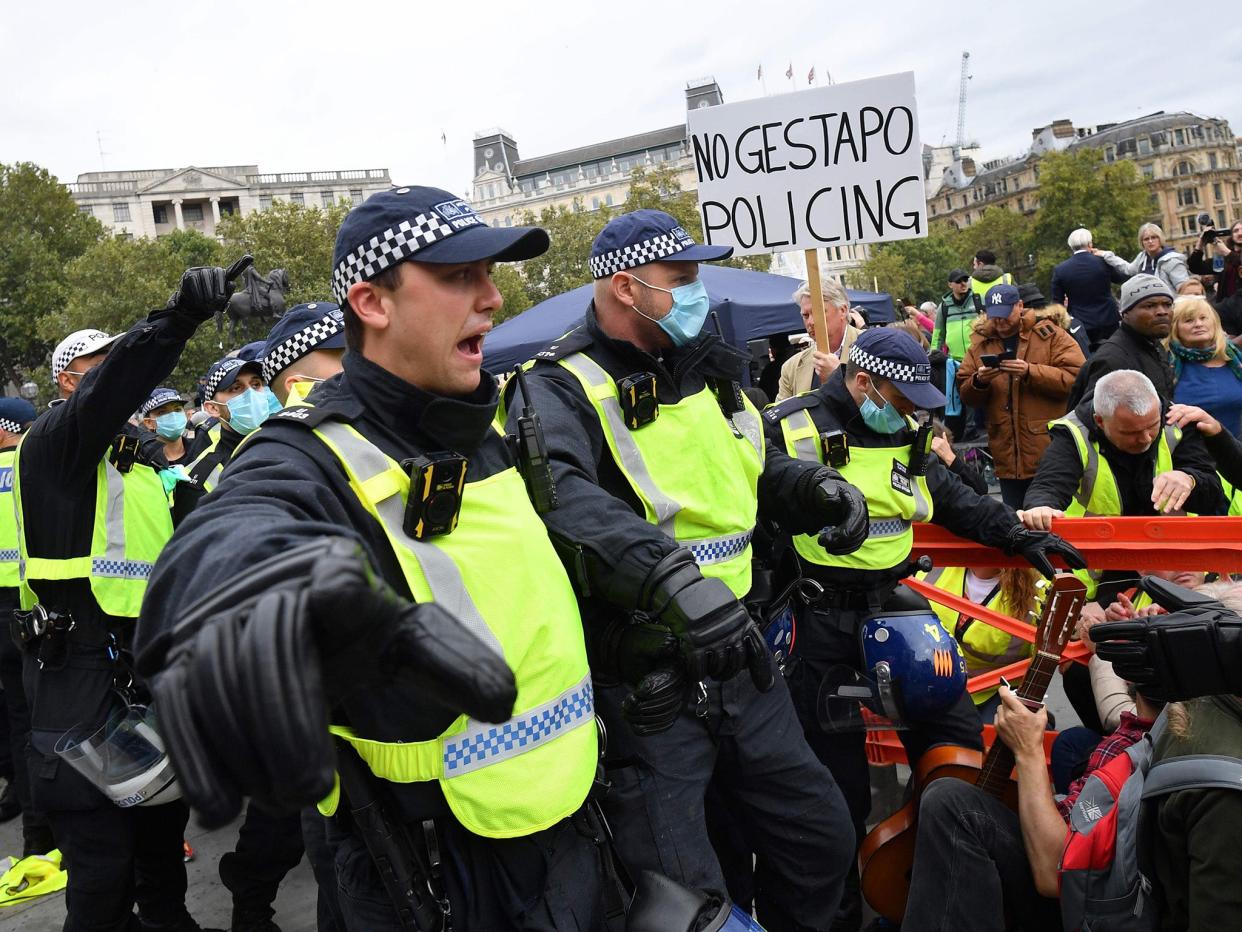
982 288
1097 492
204 477
132 525
986 648
10 575
695 471
895 498
1233 495
499 576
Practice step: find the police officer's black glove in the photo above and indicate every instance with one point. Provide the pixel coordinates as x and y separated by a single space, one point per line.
718 636
204 291
656 702
1190 653
621 650
1035 546
839 512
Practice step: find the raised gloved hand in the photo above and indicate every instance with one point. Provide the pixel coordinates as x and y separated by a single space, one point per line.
1035 546
717 635
1189 653
244 694
204 291
656 702
840 510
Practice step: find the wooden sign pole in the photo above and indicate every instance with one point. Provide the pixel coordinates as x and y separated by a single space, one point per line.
817 299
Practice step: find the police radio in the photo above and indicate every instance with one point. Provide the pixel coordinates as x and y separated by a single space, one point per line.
920 450
434 503
639 405
531 453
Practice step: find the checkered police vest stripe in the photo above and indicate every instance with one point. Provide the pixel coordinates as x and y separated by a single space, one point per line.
11 426
9 556
284 354
718 549
889 369
628 257
482 745
121 569
389 248
888 527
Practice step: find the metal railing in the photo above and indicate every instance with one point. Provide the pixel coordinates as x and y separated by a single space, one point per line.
358 174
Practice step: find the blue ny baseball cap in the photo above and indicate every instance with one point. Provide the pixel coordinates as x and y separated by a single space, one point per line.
1000 300
895 355
426 225
159 398
224 372
644 236
16 414
319 325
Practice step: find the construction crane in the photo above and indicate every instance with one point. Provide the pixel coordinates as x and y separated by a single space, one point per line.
961 109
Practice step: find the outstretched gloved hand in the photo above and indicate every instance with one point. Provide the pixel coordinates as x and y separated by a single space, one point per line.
841 511
204 291
1035 546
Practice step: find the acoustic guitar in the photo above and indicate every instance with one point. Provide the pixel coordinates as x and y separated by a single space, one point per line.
886 857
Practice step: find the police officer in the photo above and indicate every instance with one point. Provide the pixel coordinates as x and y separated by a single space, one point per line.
859 422
163 414
303 349
660 469
92 519
16 414
401 578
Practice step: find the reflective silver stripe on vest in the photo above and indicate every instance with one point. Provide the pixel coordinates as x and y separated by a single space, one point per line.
1090 469
665 508
112 562
443 578
888 527
718 549
213 477
805 448
482 745
747 424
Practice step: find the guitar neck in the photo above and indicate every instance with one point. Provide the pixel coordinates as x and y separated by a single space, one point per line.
998 765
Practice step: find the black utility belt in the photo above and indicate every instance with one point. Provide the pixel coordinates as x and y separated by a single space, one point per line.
28 627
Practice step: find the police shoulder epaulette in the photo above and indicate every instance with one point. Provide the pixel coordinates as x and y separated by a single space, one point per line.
573 342
306 415
782 409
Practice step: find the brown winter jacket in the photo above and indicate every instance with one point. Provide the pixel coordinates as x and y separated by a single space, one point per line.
1019 409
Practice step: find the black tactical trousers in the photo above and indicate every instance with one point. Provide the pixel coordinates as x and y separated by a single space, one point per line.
268 847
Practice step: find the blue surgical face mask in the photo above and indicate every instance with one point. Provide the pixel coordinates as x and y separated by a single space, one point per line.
882 418
273 403
170 426
685 319
248 410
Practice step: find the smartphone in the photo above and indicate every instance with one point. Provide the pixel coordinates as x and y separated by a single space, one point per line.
991 360
1009 354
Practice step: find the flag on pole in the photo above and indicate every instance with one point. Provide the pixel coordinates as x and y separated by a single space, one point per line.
810 75
443 138
759 76
789 73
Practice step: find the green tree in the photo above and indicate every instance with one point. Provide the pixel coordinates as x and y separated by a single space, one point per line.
1005 232
41 232
564 266
1079 189
292 237
913 269
117 282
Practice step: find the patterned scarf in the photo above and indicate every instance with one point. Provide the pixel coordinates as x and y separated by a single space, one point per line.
1185 354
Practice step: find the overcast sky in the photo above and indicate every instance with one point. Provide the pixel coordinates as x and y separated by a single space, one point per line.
318 85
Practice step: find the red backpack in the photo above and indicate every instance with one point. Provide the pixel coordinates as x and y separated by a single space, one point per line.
1106 866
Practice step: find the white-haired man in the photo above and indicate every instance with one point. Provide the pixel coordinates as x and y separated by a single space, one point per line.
811 367
1083 283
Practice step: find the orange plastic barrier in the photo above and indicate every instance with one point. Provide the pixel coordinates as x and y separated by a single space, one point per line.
1182 543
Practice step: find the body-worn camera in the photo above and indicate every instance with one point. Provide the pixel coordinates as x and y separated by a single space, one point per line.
836 448
434 503
639 405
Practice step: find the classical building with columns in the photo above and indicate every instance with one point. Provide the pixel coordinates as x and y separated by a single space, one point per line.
156 201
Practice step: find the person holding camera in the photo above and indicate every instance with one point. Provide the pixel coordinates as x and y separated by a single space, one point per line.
1219 254
1019 369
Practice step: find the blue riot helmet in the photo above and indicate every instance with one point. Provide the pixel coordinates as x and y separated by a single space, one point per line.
663 905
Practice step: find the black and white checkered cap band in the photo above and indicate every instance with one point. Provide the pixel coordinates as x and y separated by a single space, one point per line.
157 401
11 426
67 354
636 254
888 368
389 248
282 355
226 371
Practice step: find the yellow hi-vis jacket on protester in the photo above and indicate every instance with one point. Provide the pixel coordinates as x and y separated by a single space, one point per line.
895 498
986 648
695 471
132 525
499 576
10 575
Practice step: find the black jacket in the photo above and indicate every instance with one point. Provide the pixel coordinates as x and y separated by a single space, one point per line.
63 448
285 488
1125 349
955 505
1226 450
187 495
1083 283
1060 471
598 509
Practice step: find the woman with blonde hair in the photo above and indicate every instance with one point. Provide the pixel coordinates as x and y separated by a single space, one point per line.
1207 367
1155 258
